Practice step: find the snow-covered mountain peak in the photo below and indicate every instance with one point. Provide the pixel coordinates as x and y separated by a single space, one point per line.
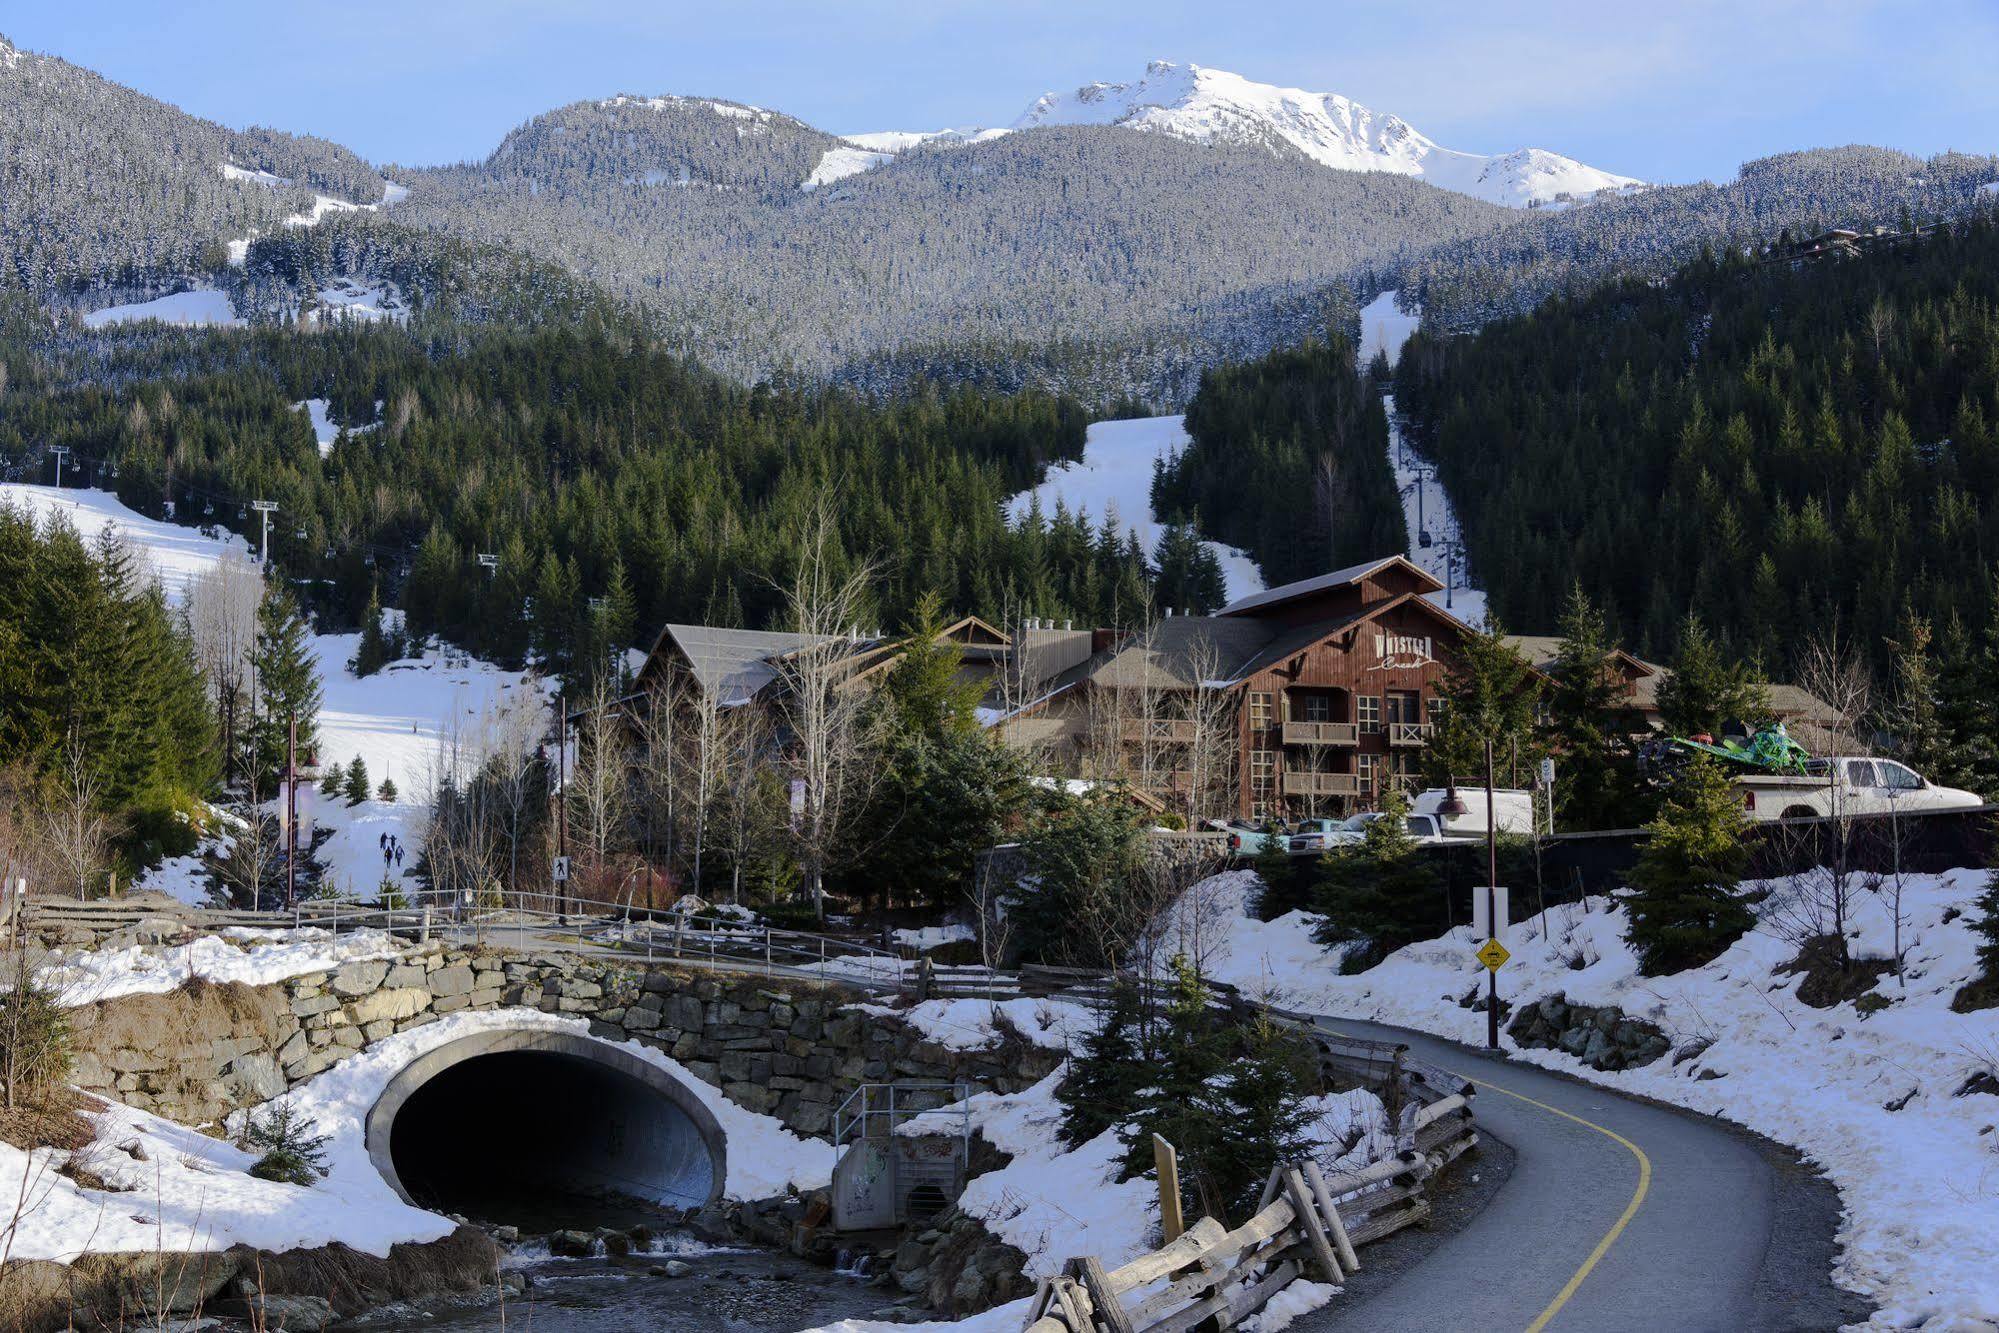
9 57
1206 105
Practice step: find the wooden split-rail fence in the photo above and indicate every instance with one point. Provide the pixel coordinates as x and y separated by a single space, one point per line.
1306 1224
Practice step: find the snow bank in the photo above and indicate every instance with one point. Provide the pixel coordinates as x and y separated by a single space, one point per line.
1053 1202
198 307
253 957
1115 477
976 1025
1920 1184
933 937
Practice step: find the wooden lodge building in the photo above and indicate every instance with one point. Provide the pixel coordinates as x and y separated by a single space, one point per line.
1339 679
1337 683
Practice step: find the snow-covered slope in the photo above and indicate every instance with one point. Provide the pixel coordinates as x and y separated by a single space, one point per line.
868 151
1114 478
1213 106
176 554
196 307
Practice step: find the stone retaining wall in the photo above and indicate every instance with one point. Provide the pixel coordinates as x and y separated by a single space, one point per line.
790 1050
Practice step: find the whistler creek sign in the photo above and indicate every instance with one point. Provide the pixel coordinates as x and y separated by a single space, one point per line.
1394 652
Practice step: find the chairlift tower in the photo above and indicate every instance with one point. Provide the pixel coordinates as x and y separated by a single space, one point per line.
61 451
266 508
490 563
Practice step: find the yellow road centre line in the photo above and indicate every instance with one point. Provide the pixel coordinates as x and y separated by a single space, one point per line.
1575 1283
1570 1287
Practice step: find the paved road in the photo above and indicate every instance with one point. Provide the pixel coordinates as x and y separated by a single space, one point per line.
1619 1215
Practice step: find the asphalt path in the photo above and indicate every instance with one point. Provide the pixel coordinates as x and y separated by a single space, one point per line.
1619 1214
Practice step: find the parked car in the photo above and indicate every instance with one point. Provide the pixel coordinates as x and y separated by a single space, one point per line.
1846 786
1350 831
1249 839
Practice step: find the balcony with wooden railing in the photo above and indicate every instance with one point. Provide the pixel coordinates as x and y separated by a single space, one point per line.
1407 734
1322 784
1321 733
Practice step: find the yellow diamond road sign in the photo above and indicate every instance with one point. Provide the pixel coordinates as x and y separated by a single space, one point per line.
1493 954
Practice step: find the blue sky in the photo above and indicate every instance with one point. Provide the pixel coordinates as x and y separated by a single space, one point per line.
1671 91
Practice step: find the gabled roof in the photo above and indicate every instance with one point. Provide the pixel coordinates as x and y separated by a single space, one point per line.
1179 652
1540 650
1339 578
732 664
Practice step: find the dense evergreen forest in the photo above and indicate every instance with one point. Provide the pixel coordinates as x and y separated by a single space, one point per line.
613 486
1777 446
1289 462
106 735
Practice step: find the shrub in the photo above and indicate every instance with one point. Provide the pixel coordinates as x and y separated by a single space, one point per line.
292 1151
34 1040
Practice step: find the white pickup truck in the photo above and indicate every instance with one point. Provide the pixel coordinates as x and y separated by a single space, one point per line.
1846 786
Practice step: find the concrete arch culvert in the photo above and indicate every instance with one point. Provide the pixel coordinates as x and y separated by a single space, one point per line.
505 1115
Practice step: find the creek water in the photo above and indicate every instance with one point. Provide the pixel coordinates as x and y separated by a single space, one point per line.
729 1291
725 1288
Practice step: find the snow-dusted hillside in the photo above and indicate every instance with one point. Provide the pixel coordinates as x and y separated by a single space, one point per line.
1213 106
1115 478
871 150
1893 1096
407 722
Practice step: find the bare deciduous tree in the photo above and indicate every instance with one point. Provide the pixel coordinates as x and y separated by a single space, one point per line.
1211 718
221 613
78 834
746 820
599 787
829 755
1822 897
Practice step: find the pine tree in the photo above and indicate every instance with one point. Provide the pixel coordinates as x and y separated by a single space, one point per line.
1589 725
1381 893
288 690
357 781
1256 1115
1915 715
1684 904
930 696
1488 695
1103 1083
372 653
1284 886
1706 690
387 791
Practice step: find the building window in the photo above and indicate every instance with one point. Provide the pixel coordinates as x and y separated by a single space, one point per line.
1262 782
1370 713
1434 710
1404 706
1365 766
1318 708
1259 711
